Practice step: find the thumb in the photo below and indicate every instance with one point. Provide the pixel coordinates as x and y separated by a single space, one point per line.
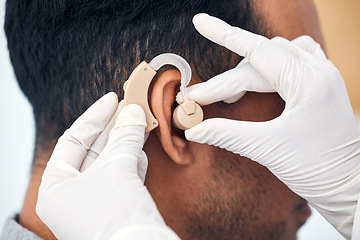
99 144
240 137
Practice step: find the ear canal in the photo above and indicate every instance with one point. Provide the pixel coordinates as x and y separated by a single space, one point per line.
187 115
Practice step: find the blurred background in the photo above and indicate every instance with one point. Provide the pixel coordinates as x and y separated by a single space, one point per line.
340 23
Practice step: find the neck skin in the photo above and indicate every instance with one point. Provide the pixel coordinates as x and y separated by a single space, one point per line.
28 217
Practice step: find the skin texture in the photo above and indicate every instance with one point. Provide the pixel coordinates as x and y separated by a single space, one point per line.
205 192
290 19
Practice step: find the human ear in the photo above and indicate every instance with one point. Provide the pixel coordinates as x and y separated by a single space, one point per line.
162 99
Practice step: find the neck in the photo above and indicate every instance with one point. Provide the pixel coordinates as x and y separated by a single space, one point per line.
28 217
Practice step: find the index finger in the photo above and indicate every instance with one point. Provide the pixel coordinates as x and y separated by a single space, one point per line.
269 59
73 145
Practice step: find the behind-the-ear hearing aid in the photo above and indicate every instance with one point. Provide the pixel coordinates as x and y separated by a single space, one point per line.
186 115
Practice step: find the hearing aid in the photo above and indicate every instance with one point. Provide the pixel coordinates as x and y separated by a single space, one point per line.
186 115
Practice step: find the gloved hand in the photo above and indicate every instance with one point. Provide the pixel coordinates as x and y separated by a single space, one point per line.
314 146
108 200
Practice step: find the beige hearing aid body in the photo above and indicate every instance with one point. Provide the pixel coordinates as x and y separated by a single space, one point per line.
186 115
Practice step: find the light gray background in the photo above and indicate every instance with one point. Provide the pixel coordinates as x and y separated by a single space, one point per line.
17 144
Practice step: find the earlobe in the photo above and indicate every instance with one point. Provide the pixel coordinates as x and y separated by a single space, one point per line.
163 96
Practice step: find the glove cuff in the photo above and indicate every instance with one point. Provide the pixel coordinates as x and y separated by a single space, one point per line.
339 206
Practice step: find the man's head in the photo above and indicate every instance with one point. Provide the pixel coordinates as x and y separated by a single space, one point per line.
66 54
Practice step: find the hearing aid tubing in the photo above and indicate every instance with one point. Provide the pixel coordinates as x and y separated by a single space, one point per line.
180 63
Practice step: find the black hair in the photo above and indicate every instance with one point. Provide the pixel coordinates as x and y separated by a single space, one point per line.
68 53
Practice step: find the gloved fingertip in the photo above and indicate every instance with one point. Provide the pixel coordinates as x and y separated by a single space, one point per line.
201 23
211 27
188 134
102 110
179 98
199 18
110 98
131 115
235 99
108 101
192 134
112 94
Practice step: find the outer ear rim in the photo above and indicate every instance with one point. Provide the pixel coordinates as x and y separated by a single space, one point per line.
163 95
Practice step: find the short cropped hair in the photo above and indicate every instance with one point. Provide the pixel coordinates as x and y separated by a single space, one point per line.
68 53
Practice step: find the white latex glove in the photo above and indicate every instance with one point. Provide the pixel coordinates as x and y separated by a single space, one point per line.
314 146
108 200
